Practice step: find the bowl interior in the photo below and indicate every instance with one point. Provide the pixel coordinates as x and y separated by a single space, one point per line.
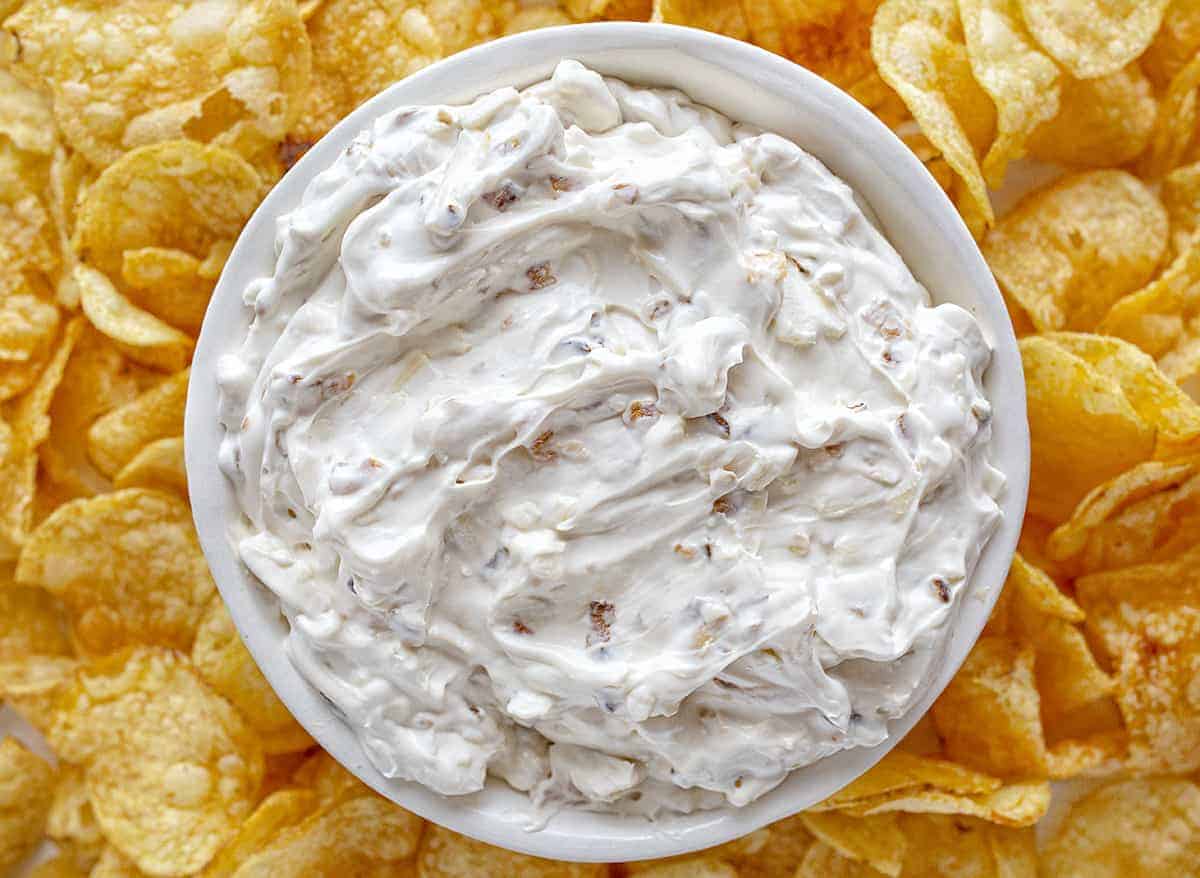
747 84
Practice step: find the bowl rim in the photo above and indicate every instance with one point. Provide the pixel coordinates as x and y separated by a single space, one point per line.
494 815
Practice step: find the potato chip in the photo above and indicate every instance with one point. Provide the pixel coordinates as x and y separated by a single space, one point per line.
143 71
876 841
227 667
1176 123
63 865
171 769
70 822
28 243
1068 251
1083 430
69 177
127 566
30 427
25 117
1135 827
1018 804
446 854
1180 193
276 812
1175 44
918 45
331 783
988 717
714 15
170 280
534 17
613 10
158 465
31 686
1021 80
822 861
1101 122
899 772
1093 37
832 38
31 623
116 438
138 334
26 786
114 864
1146 620
696 867
958 847
280 769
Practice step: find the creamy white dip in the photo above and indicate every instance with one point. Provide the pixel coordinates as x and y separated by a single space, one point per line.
597 443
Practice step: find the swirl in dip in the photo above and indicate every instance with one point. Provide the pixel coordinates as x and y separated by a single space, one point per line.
600 444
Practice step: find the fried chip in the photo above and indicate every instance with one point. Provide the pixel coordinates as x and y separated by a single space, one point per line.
1021 80
114 864
275 813
832 38
446 854
1068 251
714 15
1146 620
138 334
822 861
71 823
1180 193
1083 431
31 623
1101 122
332 783
1135 827
1175 126
28 243
171 768
26 785
876 841
171 280
1093 38
158 465
1019 804
128 567
115 439
1175 44
25 117
64 865
767 853
31 685
696 867
227 667
143 71
27 328
900 772
918 45
534 17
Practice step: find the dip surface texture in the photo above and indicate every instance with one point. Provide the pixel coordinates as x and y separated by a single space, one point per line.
600 444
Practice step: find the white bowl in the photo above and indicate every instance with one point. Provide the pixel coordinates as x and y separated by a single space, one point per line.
747 84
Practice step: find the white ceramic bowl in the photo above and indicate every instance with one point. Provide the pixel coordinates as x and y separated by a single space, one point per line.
747 84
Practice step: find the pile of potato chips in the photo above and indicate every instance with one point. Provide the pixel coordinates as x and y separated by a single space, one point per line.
136 137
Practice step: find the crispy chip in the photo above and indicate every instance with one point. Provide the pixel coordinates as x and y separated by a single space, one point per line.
116 438
28 242
31 685
714 15
276 812
114 864
27 329
227 667
1146 619
696 867
64 865
70 175
899 772
1136 827
158 465
1175 44
25 116
1176 123
71 823
876 841
322 774
918 45
1101 122
822 861
772 852
446 854
534 17
1018 804
1093 37
1180 193
1022 82
152 220
127 566
31 623
831 37
143 71
171 769
26 786
1083 430
1068 251
138 334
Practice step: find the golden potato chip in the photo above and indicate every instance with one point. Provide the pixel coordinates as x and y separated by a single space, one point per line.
1021 80
26 786
918 45
1083 430
1176 123
138 334
922 739
227 667
158 465
116 438
612 10
1021 803
534 17
1135 827
29 255
30 427
988 717
63 865
1157 318
696 867
899 772
1101 122
27 328
114 864
1068 251
280 769
876 841
69 176
25 117
143 71
1175 44
127 566
31 623
170 280
713 15
1093 37
171 769
31 686
1180 193
331 783
822 861
276 812
71 823
772 852
446 854
1146 620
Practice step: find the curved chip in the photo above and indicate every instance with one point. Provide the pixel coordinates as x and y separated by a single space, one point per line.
1134 827
276 812
127 566
227 667
25 116
117 437
876 841
171 769
71 822
1068 251
1020 79
446 854
832 39
1175 44
139 335
1101 122
1093 37
918 45
26 787
31 623
713 15
141 71
170 281
29 255
1175 126
158 465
